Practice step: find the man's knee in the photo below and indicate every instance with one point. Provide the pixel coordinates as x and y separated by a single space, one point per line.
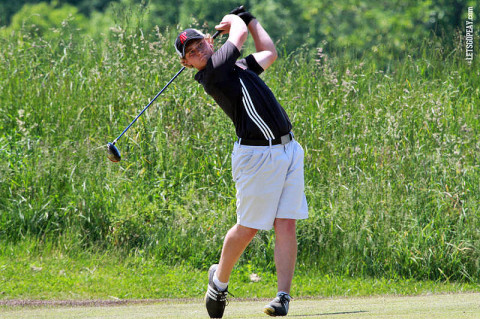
243 232
285 226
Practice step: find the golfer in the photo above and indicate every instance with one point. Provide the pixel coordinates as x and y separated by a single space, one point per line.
267 163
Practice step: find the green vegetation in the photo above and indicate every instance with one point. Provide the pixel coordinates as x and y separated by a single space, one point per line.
45 272
391 161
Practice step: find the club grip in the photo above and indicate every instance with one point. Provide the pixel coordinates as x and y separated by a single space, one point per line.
234 11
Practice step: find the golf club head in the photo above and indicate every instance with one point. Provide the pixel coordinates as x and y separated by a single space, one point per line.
113 153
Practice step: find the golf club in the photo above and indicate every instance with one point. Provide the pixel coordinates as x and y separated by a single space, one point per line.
113 153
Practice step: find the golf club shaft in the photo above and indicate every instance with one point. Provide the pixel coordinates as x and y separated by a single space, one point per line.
146 107
216 34
158 94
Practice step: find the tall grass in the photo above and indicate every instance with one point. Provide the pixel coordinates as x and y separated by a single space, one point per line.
391 161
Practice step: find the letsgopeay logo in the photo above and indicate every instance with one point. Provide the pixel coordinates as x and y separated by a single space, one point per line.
469 36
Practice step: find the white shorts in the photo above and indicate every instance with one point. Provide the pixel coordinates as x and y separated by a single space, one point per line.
270 184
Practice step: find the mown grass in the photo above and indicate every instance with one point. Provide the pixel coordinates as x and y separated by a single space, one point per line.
56 273
391 161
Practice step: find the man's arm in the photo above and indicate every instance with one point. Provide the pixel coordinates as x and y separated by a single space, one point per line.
266 53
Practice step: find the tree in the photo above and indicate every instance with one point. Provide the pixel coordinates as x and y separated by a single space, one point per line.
44 19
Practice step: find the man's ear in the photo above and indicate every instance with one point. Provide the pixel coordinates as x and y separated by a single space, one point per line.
209 41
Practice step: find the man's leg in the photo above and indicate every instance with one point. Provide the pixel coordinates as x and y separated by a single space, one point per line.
236 240
285 258
285 252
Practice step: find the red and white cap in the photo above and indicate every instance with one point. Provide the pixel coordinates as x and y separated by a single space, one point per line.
184 37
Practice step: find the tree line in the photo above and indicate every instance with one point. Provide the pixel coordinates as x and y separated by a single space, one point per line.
335 25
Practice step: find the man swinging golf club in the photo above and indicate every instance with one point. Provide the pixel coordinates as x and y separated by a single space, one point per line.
267 163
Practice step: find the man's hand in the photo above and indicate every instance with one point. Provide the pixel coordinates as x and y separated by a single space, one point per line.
247 17
236 29
226 23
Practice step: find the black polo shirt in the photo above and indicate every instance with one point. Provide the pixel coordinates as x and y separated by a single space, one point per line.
243 96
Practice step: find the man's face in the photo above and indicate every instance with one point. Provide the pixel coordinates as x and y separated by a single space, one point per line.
197 53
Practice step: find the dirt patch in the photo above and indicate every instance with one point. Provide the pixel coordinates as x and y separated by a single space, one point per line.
19 303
